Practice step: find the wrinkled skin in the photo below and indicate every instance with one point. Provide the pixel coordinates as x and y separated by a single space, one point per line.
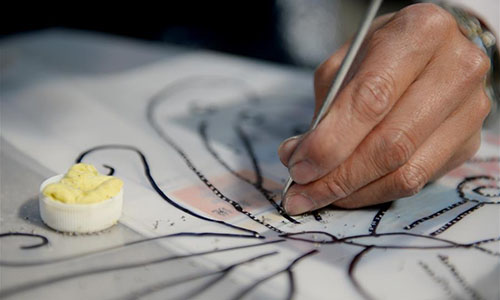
411 110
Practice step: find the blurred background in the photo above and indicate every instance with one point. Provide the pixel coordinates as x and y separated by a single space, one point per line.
295 32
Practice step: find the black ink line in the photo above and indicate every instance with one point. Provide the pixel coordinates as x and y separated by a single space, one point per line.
253 158
352 265
443 283
258 184
44 241
291 284
454 221
223 273
111 170
459 278
436 214
155 186
64 277
378 217
102 251
288 269
317 216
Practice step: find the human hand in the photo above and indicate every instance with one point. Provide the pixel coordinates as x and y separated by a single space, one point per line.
411 110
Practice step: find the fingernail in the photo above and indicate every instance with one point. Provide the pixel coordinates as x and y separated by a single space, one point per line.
286 148
303 172
297 204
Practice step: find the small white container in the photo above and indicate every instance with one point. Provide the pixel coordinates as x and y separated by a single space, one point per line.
79 218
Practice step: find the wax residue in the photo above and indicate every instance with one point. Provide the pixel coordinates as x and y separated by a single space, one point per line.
83 184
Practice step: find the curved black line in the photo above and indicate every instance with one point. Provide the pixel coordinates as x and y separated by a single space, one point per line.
111 170
291 284
247 145
99 270
461 185
102 251
44 241
350 272
291 289
479 191
155 186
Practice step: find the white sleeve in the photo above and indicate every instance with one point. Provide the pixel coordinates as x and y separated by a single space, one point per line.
486 10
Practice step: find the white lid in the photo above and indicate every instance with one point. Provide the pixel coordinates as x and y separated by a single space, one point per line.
79 218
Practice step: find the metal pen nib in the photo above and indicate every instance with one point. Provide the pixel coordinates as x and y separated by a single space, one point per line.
342 73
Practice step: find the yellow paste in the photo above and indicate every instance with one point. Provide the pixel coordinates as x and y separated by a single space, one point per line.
83 185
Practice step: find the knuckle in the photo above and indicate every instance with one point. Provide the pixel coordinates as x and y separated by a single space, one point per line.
483 106
372 97
473 62
429 17
337 187
411 179
395 149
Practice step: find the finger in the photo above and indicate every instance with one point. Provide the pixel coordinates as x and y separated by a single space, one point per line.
397 55
426 104
287 147
426 163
